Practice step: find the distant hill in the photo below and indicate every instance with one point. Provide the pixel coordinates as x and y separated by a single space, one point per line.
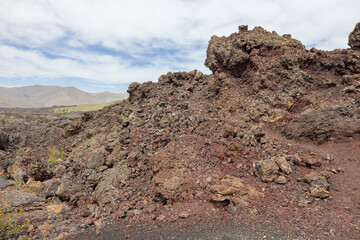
48 96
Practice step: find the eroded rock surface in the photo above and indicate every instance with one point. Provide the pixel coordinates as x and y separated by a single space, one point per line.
241 140
354 38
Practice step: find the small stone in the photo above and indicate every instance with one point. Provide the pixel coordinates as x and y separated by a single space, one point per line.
228 185
283 165
312 162
184 215
295 159
321 183
349 89
281 180
88 221
161 218
303 202
267 170
315 175
319 192
97 223
102 168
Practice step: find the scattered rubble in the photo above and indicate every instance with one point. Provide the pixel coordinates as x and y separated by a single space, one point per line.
270 109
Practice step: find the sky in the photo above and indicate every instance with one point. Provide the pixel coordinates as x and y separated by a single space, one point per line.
104 45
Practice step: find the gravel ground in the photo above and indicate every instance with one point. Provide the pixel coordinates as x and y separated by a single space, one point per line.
198 232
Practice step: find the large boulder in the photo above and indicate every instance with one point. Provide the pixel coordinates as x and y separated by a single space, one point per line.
354 38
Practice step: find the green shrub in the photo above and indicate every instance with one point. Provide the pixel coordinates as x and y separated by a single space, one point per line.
53 156
10 223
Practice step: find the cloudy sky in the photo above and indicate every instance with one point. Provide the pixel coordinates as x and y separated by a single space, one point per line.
99 45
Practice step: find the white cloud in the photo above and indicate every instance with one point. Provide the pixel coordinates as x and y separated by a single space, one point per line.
157 32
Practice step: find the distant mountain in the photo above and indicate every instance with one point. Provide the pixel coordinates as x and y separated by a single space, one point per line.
48 96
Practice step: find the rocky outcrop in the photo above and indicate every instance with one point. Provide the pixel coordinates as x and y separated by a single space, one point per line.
18 198
354 38
322 124
221 138
4 140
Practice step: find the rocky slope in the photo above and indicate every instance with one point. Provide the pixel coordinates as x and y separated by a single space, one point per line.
272 136
48 96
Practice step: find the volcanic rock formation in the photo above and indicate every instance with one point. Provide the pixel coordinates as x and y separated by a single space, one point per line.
354 38
245 137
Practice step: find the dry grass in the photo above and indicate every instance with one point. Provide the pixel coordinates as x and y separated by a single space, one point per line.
82 108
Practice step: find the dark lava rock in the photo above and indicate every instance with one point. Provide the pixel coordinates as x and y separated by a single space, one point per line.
3 182
354 38
175 140
18 198
4 140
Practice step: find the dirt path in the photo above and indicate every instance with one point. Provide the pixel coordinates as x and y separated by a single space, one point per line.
228 231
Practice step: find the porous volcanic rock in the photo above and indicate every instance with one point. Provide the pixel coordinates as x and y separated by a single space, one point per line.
192 138
354 38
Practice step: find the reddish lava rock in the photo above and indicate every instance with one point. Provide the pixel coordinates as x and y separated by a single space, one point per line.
236 145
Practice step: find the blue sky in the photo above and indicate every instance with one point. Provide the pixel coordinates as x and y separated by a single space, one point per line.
104 45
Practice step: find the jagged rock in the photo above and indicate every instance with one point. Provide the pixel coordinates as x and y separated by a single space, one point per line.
322 183
72 129
321 125
235 55
174 140
316 175
18 198
283 165
294 159
68 189
35 216
111 180
96 158
57 208
229 185
319 192
232 189
354 38
267 170
281 180
310 162
4 140
3 182
50 187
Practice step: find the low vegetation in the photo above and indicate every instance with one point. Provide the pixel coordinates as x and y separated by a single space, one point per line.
53 156
81 108
10 219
